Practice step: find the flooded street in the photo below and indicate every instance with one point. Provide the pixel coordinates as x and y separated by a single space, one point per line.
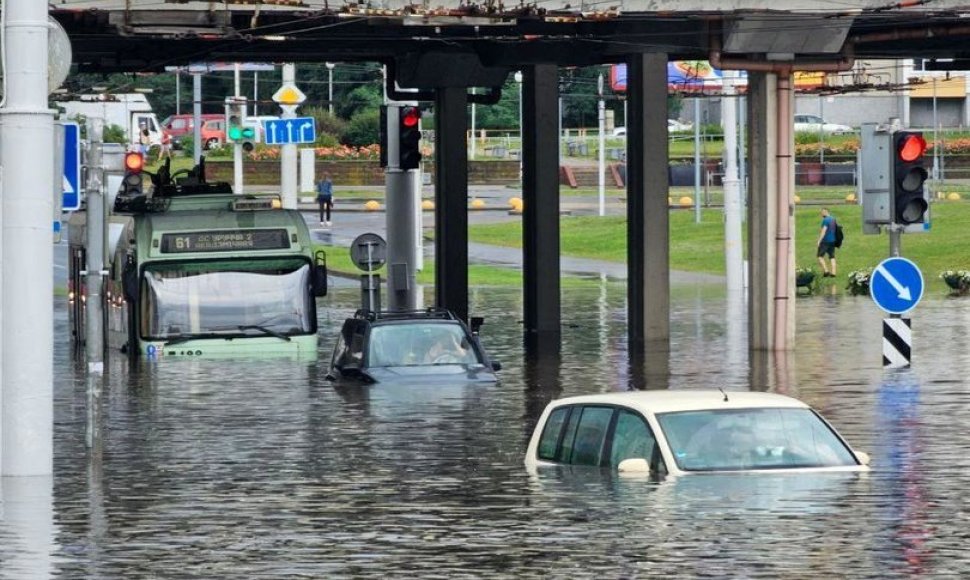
263 469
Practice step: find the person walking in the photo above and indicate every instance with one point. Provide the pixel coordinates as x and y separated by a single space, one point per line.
826 244
325 199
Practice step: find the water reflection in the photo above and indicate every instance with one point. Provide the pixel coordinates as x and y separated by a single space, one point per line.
262 469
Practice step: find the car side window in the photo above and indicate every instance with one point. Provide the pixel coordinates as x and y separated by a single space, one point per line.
549 442
632 438
590 436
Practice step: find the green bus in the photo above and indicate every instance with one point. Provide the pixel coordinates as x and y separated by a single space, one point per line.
197 271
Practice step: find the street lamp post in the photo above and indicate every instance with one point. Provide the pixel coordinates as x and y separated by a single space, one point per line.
330 66
518 81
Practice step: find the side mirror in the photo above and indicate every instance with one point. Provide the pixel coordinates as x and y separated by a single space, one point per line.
129 280
318 275
496 366
476 323
863 457
634 466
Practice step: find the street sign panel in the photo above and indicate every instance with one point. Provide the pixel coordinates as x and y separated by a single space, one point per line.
286 131
896 285
72 167
368 252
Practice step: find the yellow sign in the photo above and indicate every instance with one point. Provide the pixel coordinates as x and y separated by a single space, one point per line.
944 88
289 95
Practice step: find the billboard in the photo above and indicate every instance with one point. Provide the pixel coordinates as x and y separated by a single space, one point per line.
700 76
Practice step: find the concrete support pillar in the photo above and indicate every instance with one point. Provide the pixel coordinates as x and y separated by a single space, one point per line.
540 213
763 209
451 201
648 239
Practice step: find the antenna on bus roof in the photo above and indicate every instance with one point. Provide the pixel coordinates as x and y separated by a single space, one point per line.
723 393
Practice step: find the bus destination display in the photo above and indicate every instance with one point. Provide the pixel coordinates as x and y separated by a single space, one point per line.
225 241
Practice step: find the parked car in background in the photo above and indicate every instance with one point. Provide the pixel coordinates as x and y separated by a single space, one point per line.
213 131
673 125
684 432
814 124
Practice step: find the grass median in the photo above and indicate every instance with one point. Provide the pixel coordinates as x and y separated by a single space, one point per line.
699 247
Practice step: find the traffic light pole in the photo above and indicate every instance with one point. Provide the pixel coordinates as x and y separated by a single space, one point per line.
402 214
237 148
94 251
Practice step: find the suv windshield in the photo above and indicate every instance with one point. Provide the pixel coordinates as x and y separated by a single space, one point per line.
767 438
419 344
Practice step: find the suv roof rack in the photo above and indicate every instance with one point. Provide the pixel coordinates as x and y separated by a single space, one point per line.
432 313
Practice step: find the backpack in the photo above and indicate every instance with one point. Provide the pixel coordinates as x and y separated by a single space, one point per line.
839 236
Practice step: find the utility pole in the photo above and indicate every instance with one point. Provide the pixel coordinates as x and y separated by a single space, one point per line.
732 189
27 139
288 161
237 148
602 147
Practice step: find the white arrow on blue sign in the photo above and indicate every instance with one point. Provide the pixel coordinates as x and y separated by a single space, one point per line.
288 131
896 285
72 167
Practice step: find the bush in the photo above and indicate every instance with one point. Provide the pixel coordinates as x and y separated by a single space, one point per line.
113 134
364 129
326 123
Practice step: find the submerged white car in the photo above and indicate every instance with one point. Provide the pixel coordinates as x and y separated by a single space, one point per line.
687 432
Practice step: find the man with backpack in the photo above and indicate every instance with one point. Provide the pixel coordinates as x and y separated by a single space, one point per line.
827 242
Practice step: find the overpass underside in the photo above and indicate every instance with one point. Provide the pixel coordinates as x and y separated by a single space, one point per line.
445 52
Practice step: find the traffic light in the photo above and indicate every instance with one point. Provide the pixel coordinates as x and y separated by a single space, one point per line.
909 175
409 138
238 130
132 184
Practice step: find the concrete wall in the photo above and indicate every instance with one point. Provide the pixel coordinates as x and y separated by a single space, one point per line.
949 112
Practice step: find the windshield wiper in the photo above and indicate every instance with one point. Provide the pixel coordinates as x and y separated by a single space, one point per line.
265 330
180 338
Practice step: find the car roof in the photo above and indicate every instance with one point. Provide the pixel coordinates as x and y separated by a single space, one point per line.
685 400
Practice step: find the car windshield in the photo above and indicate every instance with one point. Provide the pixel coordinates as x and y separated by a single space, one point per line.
742 439
419 344
221 297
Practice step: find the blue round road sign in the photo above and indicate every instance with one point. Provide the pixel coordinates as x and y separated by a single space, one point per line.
896 285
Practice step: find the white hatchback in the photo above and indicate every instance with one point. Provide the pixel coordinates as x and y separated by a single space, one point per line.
689 431
814 124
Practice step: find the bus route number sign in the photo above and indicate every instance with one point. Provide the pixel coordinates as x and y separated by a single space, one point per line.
225 241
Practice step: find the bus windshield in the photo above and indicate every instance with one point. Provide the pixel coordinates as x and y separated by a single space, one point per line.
226 298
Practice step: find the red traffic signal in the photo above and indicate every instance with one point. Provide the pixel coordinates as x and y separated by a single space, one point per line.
410 117
134 162
409 138
909 175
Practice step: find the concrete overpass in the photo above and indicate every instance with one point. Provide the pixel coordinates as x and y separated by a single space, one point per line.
445 48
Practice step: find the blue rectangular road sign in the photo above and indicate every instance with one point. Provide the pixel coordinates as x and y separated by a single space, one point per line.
72 167
287 131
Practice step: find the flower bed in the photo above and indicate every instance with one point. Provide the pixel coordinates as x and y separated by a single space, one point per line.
859 282
957 280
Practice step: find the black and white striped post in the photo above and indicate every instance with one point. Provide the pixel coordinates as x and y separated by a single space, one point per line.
896 286
897 342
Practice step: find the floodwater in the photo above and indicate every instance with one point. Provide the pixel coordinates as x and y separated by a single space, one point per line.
262 469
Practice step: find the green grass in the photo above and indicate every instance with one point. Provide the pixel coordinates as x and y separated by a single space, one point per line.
338 261
700 247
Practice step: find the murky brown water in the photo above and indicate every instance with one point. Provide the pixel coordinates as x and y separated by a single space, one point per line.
261 469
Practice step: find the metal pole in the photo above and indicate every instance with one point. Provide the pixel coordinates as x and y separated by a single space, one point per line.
288 151
936 148
330 66
26 140
196 116
473 147
401 239
821 129
518 81
94 250
742 151
255 92
237 151
602 151
732 190
697 160
178 92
